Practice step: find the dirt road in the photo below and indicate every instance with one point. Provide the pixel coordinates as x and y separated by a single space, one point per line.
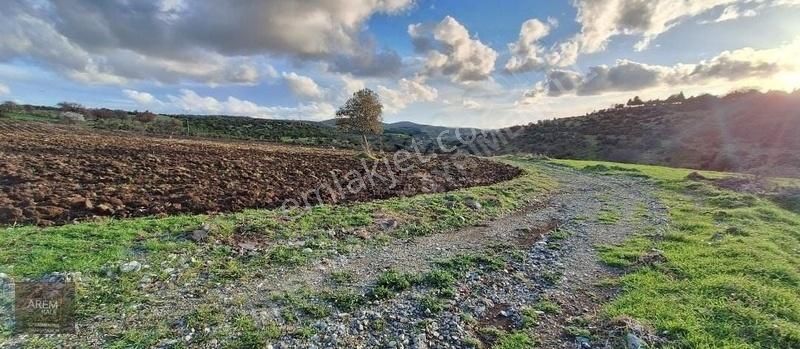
562 267
551 271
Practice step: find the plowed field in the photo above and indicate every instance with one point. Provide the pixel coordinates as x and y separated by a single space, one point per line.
54 175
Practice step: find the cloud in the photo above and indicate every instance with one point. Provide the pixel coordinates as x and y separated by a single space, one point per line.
470 104
25 35
558 82
733 12
367 61
303 86
307 28
351 85
190 102
167 41
142 98
451 51
527 54
4 90
408 91
602 19
626 75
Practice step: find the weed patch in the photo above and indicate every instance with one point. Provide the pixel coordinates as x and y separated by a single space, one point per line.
517 340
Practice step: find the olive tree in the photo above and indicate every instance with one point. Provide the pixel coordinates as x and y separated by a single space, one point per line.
635 101
362 114
146 117
7 107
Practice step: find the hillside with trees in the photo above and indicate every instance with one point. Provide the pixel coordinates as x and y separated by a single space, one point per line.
742 131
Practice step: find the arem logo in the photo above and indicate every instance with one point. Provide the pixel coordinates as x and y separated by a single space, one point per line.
44 307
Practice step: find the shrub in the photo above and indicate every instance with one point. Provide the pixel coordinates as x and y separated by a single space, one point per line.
145 117
433 304
344 300
439 279
72 107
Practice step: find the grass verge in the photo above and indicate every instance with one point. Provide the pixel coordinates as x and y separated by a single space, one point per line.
728 268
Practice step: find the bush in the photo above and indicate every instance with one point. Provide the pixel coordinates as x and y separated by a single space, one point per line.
105 113
439 279
146 117
71 107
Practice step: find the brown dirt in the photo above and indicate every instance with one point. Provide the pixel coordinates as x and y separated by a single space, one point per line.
52 175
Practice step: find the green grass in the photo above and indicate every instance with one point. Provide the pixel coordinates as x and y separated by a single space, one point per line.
529 317
97 247
439 279
342 277
625 255
251 335
559 234
30 251
345 300
303 302
517 340
397 281
609 216
547 306
730 277
39 115
464 262
431 303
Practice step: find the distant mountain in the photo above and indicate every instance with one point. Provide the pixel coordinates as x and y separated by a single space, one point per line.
743 131
414 129
409 128
426 136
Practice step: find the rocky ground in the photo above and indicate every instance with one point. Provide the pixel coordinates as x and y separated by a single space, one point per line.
535 273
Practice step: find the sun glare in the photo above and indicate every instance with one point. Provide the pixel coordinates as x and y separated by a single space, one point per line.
788 81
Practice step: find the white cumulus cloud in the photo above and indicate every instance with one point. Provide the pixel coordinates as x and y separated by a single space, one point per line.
209 42
142 98
733 12
303 86
451 51
527 53
190 102
351 85
602 19
408 91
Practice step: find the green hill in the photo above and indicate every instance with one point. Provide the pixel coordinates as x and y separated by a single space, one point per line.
744 131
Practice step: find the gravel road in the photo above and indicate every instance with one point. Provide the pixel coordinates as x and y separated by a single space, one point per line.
590 210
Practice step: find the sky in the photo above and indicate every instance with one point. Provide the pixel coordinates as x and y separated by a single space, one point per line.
459 63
